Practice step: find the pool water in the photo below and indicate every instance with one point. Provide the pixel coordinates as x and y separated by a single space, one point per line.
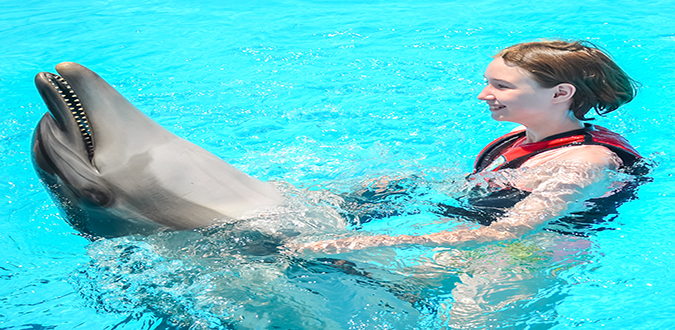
319 97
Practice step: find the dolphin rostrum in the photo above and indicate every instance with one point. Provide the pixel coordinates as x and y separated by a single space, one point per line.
114 171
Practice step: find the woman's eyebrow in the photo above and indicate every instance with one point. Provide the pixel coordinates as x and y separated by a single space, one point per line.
498 80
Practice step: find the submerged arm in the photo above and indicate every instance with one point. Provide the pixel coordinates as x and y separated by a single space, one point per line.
564 182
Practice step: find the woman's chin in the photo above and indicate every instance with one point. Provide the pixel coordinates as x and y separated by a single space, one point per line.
498 116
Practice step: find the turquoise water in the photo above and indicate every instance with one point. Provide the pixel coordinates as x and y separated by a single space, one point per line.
324 95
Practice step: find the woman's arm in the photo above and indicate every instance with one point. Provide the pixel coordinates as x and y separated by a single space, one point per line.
554 185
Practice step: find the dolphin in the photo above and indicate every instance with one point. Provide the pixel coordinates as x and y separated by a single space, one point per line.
114 171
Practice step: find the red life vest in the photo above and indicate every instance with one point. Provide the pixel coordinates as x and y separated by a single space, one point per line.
509 151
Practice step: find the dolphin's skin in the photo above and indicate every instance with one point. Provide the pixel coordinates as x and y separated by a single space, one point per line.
117 172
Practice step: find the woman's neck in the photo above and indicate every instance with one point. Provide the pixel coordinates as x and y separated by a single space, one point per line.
536 133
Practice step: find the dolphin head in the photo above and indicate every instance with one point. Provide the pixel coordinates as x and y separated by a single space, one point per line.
115 171
67 142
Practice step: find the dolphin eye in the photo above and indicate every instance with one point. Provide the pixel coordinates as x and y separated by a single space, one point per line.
98 197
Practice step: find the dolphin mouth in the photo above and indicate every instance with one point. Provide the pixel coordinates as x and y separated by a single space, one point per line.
59 86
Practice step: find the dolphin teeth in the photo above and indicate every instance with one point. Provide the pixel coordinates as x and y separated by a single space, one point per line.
77 111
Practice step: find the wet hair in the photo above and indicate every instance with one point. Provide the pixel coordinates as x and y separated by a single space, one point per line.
600 83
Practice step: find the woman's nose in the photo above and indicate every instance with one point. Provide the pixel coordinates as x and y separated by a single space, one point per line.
485 94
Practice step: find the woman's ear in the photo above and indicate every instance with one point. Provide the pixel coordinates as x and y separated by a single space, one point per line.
563 92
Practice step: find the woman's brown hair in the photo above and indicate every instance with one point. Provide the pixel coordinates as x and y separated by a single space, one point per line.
600 83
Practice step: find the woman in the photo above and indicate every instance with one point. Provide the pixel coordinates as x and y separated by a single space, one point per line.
548 87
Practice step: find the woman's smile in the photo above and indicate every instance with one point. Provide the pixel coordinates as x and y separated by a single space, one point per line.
496 107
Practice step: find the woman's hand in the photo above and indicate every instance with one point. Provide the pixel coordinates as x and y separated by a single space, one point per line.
356 243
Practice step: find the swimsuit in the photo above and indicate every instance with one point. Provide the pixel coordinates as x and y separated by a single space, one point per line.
510 152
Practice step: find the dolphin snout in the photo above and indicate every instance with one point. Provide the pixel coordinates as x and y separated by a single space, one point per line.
66 65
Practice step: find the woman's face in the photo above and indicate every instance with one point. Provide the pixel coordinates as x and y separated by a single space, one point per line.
514 96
